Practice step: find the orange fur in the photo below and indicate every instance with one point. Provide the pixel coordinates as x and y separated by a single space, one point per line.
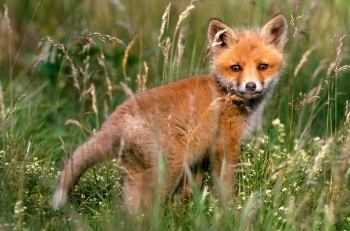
187 122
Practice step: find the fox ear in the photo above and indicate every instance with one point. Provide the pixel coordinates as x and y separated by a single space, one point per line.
275 31
220 36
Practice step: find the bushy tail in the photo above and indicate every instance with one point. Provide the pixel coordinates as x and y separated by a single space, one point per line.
97 149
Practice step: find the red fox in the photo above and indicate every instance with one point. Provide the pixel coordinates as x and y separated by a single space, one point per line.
156 133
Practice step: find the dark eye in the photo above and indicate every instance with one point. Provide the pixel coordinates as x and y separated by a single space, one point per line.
263 66
236 68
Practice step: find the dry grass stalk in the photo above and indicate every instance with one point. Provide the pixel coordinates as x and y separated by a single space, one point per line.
75 122
344 134
164 21
63 146
330 68
311 96
104 37
321 65
101 62
2 104
75 71
126 24
105 109
206 54
166 48
183 16
88 91
119 5
127 90
127 19
119 159
340 168
93 94
338 59
318 161
129 93
303 60
180 46
7 19
126 54
14 108
142 79
347 115
109 88
296 31
335 65
85 69
342 68
88 40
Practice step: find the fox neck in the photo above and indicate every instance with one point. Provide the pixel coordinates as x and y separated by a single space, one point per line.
254 106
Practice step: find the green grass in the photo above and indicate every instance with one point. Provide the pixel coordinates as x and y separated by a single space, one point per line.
294 173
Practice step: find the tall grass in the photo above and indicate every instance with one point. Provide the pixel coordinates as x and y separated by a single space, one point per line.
66 65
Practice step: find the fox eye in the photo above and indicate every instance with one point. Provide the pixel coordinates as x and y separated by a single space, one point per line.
236 68
263 66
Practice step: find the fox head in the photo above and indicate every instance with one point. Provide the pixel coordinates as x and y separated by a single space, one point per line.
248 63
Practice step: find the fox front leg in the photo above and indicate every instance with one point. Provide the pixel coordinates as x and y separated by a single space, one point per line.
224 165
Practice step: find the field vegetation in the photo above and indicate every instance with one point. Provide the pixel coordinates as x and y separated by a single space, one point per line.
62 68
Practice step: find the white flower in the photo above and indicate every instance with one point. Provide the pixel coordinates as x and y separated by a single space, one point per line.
276 122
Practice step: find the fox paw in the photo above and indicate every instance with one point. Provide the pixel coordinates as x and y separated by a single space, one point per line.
237 100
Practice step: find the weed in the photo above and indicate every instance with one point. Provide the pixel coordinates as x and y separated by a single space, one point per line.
293 173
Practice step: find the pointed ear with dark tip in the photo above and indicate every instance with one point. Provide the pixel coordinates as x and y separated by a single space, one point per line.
275 31
220 36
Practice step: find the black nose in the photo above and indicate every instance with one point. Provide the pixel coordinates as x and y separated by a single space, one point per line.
250 86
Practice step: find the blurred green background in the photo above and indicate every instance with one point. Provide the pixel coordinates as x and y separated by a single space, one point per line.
30 61
53 69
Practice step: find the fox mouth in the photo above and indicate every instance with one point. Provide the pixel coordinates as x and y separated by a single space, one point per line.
250 95
240 89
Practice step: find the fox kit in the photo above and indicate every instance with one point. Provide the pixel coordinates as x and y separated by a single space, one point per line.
181 124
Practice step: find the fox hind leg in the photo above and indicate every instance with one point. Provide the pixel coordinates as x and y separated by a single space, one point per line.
143 189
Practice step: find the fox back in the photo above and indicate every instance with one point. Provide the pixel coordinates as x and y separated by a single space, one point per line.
188 123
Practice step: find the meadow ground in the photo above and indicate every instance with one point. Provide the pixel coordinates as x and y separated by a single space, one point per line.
61 68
